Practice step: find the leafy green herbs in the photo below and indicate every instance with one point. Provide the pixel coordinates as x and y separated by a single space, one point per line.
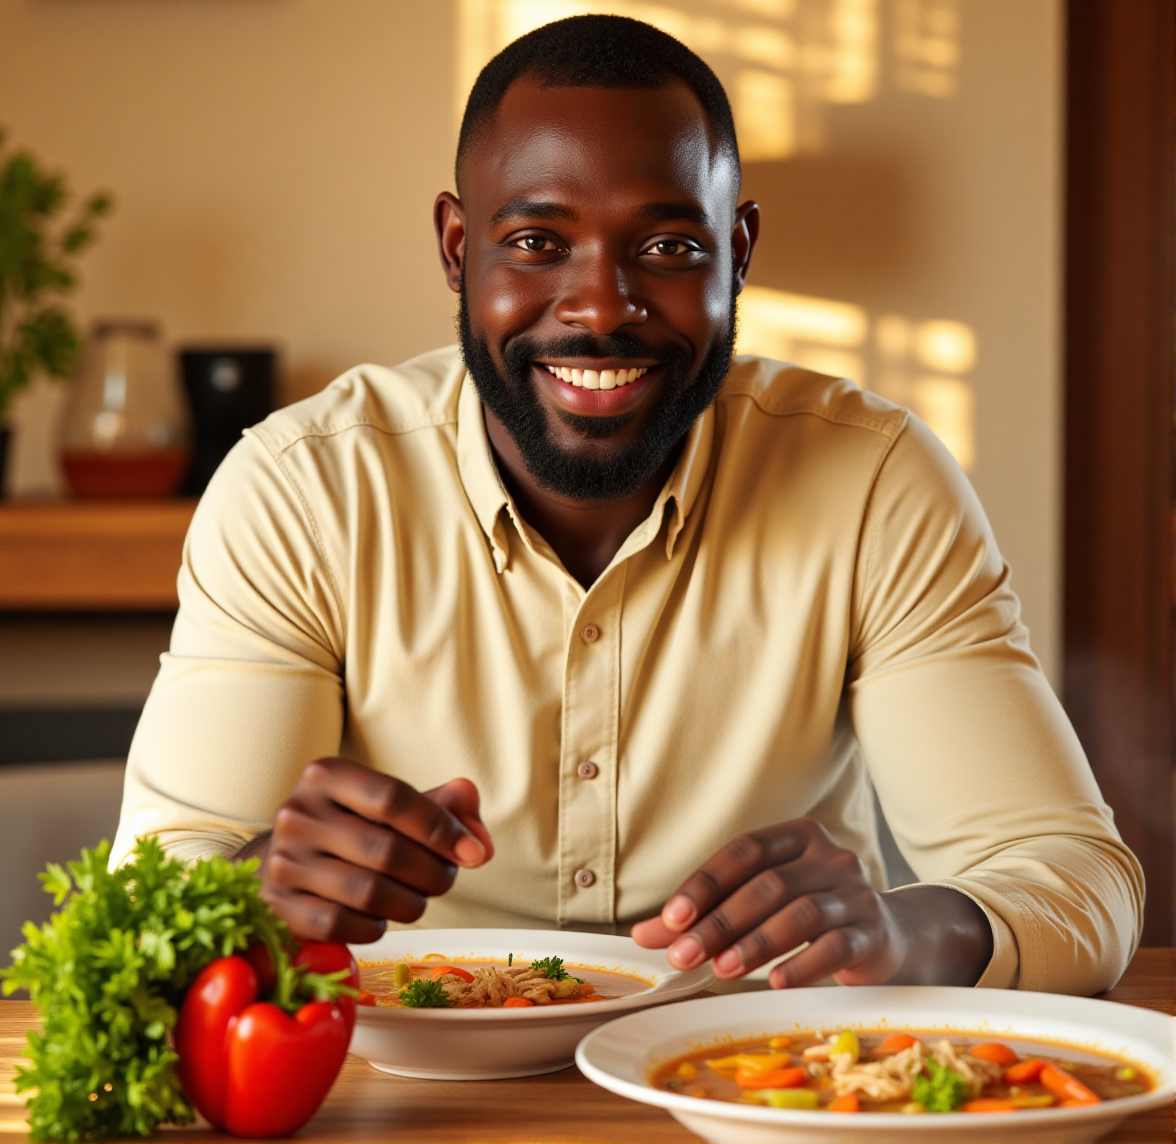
551 967
108 972
424 994
939 1089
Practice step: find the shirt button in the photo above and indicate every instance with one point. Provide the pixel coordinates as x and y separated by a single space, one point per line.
587 770
584 878
590 633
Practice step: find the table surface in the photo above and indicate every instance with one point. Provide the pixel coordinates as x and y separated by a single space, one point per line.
366 1105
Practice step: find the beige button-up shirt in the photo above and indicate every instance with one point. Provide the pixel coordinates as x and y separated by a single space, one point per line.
815 603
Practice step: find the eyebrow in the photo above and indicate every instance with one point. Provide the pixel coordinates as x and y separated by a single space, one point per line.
672 212
529 208
521 208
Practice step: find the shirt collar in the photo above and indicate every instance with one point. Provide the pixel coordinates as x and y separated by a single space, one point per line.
489 497
475 464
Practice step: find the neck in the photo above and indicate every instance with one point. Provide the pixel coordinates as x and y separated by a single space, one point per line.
585 535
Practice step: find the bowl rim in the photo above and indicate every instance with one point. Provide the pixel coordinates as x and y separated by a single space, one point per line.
671 984
645 1093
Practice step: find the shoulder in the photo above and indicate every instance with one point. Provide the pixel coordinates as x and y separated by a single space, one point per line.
421 393
780 390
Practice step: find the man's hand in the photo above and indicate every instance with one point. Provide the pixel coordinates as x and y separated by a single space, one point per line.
775 889
352 848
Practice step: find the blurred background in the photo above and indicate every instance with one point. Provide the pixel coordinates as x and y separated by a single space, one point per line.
921 170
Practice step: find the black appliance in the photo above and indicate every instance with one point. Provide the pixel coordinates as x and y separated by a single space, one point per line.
229 390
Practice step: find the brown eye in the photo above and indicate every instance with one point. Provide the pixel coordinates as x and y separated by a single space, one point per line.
535 244
671 248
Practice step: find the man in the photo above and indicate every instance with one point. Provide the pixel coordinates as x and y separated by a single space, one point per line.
656 611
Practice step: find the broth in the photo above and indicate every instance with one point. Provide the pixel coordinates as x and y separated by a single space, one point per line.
490 983
885 1071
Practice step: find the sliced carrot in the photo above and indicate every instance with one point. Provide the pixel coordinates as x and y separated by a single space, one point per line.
1024 1073
778 1078
849 1103
896 1043
517 1003
1066 1087
453 970
995 1052
988 1104
365 998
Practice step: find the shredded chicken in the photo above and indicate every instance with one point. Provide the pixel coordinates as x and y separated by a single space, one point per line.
492 986
976 1072
891 1078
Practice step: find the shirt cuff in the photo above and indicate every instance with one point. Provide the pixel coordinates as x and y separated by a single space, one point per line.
1003 968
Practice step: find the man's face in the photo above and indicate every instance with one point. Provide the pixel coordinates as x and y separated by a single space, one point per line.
600 255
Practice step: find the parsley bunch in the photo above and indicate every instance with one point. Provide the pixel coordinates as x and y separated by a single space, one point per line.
108 972
939 1089
551 967
424 994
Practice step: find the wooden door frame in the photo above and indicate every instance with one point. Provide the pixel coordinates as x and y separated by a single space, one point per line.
1120 303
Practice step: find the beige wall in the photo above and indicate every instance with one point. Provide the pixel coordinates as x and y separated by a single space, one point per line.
275 163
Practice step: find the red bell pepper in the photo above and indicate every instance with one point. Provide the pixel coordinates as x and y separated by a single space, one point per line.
329 957
248 1066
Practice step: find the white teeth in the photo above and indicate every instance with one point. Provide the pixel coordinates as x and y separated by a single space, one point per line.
596 379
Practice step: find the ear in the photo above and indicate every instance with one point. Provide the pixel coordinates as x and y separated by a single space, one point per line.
449 222
747 225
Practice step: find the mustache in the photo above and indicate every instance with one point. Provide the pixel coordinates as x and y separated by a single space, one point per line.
524 350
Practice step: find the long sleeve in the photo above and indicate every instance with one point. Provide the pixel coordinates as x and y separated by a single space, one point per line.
250 690
978 770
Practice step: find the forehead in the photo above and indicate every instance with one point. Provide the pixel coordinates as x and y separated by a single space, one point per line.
587 143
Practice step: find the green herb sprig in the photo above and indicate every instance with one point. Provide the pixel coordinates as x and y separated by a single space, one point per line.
424 994
108 972
551 968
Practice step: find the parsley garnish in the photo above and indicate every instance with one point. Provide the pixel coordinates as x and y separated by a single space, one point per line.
108 972
939 1089
424 994
551 968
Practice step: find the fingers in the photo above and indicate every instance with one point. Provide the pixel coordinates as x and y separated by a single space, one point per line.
734 865
831 952
387 800
366 847
316 919
768 893
460 797
352 849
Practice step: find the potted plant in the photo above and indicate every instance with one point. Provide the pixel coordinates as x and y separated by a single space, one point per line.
40 236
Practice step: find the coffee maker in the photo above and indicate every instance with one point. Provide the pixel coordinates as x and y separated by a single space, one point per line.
230 389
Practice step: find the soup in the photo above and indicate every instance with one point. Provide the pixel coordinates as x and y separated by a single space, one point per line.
436 982
900 1072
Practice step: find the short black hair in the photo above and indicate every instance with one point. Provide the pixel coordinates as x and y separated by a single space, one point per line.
597 51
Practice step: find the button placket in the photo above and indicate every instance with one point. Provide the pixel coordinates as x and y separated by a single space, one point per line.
587 814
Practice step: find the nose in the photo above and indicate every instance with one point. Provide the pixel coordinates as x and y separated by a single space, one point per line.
596 296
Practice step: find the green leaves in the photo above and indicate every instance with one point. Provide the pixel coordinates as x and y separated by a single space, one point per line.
36 252
553 969
424 994
108 972
939 1089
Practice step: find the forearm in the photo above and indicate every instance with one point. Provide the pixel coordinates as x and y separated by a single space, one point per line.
947 938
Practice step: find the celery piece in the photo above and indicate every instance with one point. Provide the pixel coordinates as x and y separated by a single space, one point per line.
789 1097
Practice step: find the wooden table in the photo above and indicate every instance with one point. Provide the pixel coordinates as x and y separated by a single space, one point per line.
368 1106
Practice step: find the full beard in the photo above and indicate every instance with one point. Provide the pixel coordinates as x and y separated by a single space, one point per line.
604 471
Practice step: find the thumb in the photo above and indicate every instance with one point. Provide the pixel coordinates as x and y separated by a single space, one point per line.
460 797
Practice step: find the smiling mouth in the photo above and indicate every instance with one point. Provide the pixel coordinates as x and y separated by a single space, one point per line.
595 378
